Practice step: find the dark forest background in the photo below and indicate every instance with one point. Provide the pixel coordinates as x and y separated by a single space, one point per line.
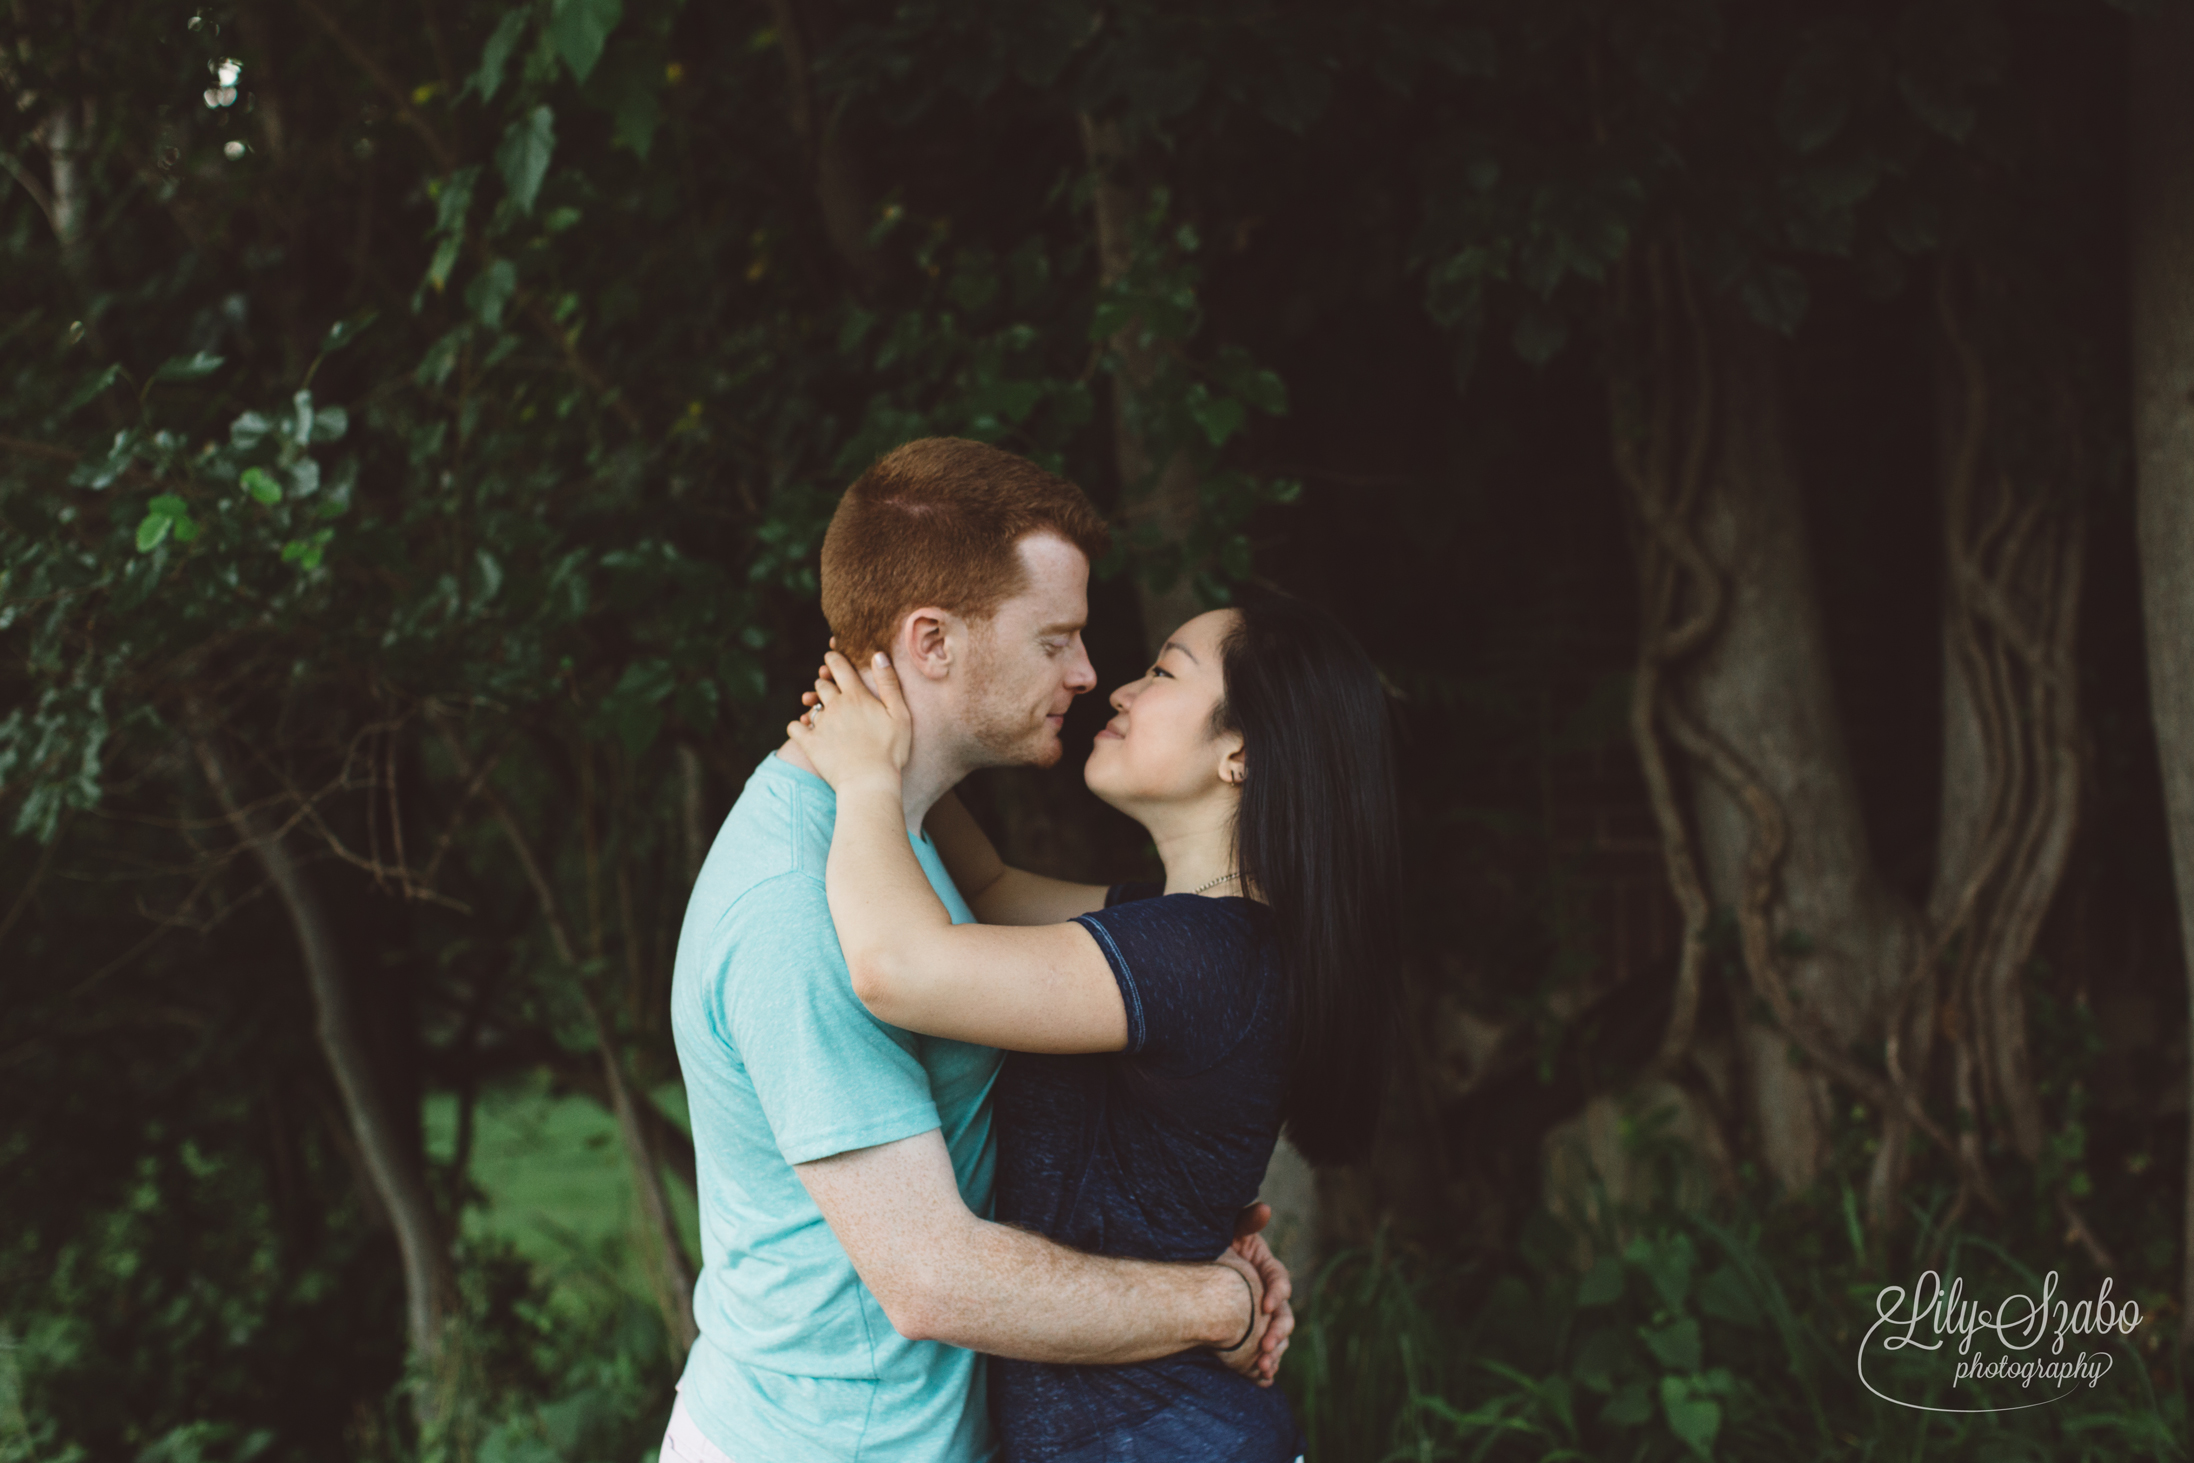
1747 437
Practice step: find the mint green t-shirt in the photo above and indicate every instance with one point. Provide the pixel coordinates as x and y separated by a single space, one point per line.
797 1361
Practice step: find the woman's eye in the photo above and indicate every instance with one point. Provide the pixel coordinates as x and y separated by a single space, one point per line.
1159 670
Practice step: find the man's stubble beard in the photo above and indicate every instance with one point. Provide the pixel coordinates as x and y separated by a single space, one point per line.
997 730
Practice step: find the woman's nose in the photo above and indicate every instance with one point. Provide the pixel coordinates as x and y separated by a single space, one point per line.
1123 696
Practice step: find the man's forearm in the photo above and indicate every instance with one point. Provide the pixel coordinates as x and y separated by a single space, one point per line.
1012 1293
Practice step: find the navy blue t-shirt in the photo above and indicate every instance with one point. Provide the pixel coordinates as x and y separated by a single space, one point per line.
1150 1153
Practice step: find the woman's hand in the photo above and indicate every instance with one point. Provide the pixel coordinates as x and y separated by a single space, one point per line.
850 735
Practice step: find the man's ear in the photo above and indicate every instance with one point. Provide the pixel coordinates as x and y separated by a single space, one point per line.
928 642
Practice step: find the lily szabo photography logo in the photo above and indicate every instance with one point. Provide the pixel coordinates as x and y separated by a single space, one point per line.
2041 1344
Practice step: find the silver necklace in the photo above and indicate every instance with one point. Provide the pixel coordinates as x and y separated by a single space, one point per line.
1213 884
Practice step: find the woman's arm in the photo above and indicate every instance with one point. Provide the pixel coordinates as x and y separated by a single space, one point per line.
1040 988
1000 895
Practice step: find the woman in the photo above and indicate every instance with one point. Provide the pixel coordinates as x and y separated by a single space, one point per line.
1162 1035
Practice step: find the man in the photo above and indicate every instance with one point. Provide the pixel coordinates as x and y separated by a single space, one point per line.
850 1273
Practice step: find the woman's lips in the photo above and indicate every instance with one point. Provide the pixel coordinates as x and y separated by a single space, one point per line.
1108 732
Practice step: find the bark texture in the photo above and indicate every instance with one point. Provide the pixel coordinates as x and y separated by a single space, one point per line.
1733 713
1764 726
389 1162
2014 547
2161 236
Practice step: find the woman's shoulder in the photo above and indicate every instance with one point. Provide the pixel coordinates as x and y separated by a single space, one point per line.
1148 908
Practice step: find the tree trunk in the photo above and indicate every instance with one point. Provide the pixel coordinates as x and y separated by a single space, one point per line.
2013 552
1763 728
2161 234
390 1163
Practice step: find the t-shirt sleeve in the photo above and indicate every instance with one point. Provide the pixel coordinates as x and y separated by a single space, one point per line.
1187 975
829 1076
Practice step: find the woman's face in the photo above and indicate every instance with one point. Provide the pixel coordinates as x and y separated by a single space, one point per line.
1158 747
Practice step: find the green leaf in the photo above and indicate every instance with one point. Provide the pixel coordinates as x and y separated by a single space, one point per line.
329 424
440 360
444 260
1675 1345
188 368
523 157
260 483
453 199
1266 392
490 291
1693 1418
1668 1263
634 710
304 477
1603 1283
495 55
1220 416
1603 1354
306 552
99 472
1628 1407
581 27
152 531
343 332
249 430
1724 1294
92 385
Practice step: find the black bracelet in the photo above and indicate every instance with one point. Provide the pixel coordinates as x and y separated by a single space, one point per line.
1248 1330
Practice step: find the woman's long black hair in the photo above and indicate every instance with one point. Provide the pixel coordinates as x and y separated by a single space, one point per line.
1316 836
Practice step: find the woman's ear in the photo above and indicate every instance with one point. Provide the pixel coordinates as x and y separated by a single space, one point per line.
1232 768
926 644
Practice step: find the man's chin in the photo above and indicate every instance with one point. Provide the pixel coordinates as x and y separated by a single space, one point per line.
1041 748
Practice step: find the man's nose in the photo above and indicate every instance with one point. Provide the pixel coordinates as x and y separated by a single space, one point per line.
1082 676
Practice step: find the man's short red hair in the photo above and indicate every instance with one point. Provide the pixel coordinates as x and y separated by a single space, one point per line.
938 522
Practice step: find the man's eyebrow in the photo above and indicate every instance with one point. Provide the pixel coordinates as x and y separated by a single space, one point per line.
1177 645
1062 627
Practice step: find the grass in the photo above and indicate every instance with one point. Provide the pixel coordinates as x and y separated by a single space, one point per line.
554 1180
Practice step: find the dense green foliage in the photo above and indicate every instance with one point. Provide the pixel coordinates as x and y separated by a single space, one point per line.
474 383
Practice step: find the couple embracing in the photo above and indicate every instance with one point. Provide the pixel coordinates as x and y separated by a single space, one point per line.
979 1150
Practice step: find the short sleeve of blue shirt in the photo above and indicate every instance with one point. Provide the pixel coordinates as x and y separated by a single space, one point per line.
1186 976
830 1077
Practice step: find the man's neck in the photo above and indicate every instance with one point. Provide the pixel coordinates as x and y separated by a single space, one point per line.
921 782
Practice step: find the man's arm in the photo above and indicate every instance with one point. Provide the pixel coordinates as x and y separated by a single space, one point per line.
942 1274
